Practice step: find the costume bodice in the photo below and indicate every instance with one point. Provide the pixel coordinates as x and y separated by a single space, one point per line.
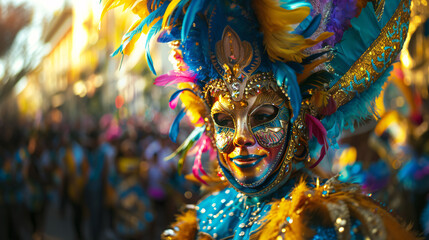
298 210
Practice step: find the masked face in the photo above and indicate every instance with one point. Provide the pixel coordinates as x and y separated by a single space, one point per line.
250 135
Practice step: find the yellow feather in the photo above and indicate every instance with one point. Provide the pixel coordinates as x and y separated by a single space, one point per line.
195 106
308 69
128 45
171 7
276 24
127 4
310 42
283 46
140 8
272 17
106 7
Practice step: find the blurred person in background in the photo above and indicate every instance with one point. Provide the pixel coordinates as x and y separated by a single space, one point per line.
95 185
133 215
109 147
74 178
35 185
12 210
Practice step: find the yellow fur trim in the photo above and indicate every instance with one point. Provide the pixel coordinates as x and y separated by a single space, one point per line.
187 225
284 218
332 204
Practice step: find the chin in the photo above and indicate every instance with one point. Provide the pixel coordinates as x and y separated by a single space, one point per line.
253 181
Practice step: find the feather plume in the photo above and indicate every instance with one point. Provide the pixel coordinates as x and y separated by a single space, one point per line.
152 32
183 149
174 129
285 214
312 26
316 128
291 218
169 11
175 77
195 106
286 78
175 97
276 20
317 80
193 9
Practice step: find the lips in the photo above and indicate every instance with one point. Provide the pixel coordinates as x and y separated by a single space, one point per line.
246 161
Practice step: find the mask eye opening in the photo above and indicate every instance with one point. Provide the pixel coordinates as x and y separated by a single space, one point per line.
263 114
223 120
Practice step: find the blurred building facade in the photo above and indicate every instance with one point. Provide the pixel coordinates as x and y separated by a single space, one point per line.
78 75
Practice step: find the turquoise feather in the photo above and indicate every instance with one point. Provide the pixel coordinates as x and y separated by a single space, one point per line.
286 78
174 129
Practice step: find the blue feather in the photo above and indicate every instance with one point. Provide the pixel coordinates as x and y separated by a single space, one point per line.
294 4
174 129
178 92
295 96
178 12
194 7
153 31
119 50
159 12
168 35
303 25
313 26
355 41
286 78
358 38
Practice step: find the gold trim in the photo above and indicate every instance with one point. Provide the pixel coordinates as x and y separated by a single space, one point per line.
376 59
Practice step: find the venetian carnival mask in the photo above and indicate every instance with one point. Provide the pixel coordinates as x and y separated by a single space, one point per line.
251 135
250 115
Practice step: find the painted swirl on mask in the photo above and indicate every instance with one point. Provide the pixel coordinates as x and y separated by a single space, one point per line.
273 133
224 136
269 137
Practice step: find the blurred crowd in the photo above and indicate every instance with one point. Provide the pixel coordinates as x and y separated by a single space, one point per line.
110 175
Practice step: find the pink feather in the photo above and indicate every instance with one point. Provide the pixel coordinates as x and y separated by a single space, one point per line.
173 103
316 128
203 145
175 77
200 121
197 164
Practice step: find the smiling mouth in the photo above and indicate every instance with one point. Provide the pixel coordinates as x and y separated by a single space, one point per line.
247 161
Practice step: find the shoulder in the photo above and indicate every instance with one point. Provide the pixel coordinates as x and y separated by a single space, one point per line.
334 208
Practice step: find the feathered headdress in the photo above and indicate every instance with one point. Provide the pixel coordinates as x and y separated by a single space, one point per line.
329 57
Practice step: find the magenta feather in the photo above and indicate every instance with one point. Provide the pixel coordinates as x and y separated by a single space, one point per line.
203 145
197 163
173 103
198 157
316 128
175 77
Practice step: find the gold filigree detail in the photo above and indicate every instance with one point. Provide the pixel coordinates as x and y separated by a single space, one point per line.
235 55
376 59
